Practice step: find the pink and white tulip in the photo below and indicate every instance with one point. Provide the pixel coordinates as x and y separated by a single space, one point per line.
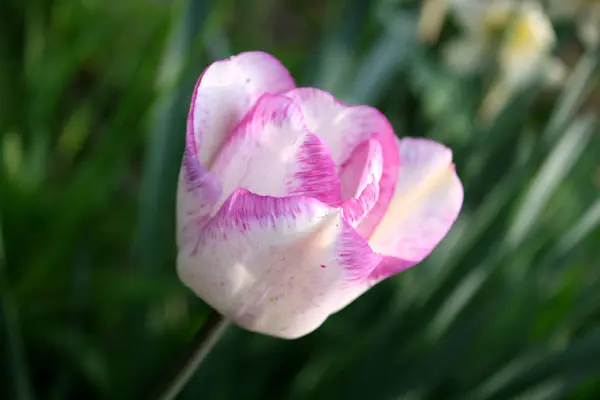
291 204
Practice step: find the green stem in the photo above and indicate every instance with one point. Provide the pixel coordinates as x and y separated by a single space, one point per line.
208 335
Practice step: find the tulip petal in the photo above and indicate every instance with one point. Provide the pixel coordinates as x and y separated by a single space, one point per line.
225 92
271 153
275 265
342 128
198 193
360 181
364 167
427 201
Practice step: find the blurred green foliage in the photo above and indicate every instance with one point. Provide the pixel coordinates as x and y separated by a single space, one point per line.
93 98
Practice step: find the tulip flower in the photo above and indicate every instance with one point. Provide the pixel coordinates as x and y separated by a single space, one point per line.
292 204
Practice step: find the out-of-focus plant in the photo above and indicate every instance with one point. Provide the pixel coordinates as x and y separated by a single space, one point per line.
585 14
291 204
517 35
93 99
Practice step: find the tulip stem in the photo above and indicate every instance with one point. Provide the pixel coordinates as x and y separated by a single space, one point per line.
204 340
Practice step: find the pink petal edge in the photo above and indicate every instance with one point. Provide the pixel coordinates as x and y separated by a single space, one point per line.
361 194
426 203
255 73
344 127
276 265
272 153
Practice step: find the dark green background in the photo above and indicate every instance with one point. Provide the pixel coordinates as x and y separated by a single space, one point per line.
93 99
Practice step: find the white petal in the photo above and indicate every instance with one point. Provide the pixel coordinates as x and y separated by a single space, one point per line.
278 266
342 128
271 153
198 193
428 199
225 92
223 95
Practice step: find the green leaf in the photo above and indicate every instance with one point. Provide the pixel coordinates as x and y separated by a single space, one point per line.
165 146
14 347
382 61
556 167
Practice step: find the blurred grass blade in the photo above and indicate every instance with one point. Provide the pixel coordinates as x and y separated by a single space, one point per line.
455 302
15 354
484 215
214 35
552 172
447 350
581 357
586 224
86 86
577 87
217 45
497 145
504 376
382 61
163 156
337 54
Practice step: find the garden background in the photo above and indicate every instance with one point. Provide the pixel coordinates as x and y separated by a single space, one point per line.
93 102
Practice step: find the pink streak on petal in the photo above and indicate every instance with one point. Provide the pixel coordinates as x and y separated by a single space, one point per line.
362 168
342 128
272 153
224 93
355 209
244 207
275 265
387 267
360 178
316 176
197 195
356 255
389 176
199 183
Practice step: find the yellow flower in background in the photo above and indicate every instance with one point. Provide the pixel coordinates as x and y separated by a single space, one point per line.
525 39
584 13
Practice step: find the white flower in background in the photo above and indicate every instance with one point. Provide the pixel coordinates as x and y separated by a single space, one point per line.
585 14
525 37
524 32
431 22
